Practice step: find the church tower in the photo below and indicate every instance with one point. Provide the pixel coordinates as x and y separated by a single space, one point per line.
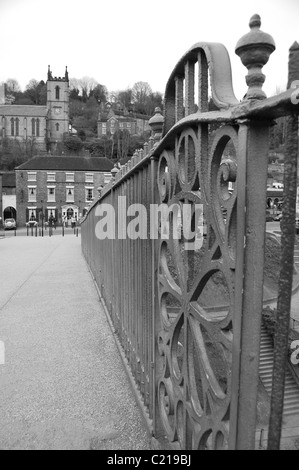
58 107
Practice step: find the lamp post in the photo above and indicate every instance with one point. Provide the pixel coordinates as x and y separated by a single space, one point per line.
42 218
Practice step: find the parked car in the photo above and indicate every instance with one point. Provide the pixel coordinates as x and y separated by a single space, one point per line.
10 224
297 225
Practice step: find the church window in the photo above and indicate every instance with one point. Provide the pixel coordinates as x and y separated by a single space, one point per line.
17 126
57 126
33 126
12 131
57 90
37 128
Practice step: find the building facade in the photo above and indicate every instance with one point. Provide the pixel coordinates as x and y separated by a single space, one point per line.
42 125
61 187
113 120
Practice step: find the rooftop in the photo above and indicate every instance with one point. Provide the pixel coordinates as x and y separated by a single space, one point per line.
67 164
23 110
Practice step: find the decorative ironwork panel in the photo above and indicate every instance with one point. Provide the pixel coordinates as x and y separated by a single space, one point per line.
196 288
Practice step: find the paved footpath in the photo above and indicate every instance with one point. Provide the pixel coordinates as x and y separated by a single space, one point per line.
63 385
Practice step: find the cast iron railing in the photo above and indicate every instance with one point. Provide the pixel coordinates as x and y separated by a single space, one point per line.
189 321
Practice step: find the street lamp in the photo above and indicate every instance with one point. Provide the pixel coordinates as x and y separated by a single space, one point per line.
42 217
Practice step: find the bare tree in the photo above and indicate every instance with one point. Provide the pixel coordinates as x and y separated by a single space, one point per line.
140 93
87 84
12 86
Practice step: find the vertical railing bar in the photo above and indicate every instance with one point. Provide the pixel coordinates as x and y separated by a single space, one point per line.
203 83
287 262
153 172
140 342
179 98
257 149
189 87
239 279
285 283
132 309
144 262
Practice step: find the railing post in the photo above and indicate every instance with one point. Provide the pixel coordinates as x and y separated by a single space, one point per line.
252 196
254 50
287 264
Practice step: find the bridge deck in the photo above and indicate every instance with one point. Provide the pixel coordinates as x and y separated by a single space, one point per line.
63 385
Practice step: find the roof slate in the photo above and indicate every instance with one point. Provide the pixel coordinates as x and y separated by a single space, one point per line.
23 110
68 164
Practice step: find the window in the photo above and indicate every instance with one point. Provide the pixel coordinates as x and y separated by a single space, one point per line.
88 177
107 177
17 126
57 126
104 131
70 194
31 193
121 125
35 127
12 126
69 177
51 176
31 213
89 194
31 175
57 92
128 124
51 193
104 125
51 212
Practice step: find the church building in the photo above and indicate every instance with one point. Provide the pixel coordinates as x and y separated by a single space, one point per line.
42 125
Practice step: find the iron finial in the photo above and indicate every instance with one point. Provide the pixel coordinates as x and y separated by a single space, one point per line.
254 50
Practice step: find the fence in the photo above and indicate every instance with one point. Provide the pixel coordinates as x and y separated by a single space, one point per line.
189 321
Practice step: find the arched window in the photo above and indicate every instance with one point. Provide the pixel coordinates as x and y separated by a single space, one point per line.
37 128
57 90
12 130
17 126
57 126
33 126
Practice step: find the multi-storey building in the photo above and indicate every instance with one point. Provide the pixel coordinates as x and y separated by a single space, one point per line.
113 120
43 125
59 186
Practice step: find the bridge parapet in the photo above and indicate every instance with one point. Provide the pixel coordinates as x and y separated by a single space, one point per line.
189 320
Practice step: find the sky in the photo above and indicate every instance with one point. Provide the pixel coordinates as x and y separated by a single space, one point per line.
121 42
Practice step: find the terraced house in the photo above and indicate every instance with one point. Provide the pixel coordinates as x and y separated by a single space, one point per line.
61 187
